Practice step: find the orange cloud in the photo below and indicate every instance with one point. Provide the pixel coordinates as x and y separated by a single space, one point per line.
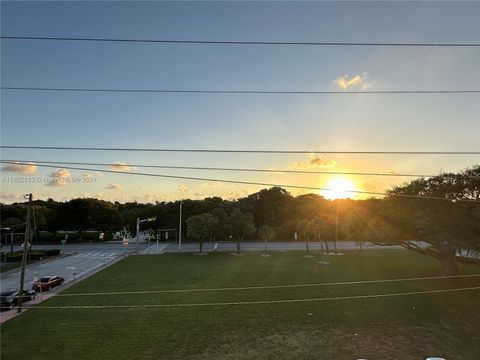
314 161
23 169
346 82
114 187
59 177
121 166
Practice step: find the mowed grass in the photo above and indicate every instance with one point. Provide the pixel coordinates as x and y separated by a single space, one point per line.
397 327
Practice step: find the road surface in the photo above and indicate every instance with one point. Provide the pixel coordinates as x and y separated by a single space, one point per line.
258 246
84 259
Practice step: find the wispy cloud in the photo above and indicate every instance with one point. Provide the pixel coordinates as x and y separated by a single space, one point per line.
313 161
114 187
59 177
9 198
122 166
183 189
347 82
22 169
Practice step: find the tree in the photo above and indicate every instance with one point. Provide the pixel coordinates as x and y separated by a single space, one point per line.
354 225
242 225
269 206
88 214
319 228
303 227
201 227
223 229
445 226
266 233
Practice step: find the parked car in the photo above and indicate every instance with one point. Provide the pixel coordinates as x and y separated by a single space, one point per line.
9 298
46 283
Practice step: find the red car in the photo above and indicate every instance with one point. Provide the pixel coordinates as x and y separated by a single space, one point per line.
46 283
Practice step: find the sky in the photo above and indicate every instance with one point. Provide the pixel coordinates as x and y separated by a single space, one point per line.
343 122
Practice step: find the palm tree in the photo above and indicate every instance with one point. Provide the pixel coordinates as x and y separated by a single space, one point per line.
303 228
318 228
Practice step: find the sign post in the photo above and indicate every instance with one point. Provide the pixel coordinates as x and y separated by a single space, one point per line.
63 242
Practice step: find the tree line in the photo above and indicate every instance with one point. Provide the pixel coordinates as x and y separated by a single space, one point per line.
408 214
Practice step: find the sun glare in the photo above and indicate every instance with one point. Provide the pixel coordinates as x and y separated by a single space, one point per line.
339 188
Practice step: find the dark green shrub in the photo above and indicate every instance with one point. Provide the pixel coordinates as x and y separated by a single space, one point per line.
13 257
52 252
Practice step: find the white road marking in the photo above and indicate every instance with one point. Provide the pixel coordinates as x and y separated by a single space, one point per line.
96 255
163 248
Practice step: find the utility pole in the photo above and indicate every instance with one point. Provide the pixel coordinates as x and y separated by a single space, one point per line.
180 229
336 226
25 252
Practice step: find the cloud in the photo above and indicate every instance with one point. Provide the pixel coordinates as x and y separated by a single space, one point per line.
122 166
14 197
346 82
27 169
9 198
183 189
314 161
114 187
59 177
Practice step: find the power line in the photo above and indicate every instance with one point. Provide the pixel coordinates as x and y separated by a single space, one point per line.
232 42
260 302
244 182
268 287
81 148
240 92
221 168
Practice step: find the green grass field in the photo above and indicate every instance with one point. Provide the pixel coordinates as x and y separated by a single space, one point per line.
394 327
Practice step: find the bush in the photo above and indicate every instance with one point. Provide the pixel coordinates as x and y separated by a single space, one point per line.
52 252
13 257
32 255
36 255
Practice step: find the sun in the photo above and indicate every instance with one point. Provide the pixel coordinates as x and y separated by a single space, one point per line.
339 188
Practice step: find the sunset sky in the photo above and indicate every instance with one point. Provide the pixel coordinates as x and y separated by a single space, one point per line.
427 122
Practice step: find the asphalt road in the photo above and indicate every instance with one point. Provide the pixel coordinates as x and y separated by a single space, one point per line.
82 259
258 246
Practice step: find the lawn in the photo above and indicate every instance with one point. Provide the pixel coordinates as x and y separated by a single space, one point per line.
251 326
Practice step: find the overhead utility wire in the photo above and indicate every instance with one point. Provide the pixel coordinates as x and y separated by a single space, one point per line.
232 42
82 148
257 92
220 168
243 182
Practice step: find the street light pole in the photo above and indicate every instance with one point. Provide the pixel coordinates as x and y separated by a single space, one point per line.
138 230
180 229
138 235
